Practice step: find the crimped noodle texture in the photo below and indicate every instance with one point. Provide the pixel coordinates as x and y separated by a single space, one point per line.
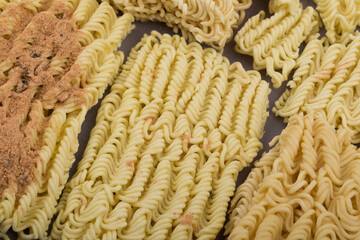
326 81
277 5
101 32
306 187
274 42
179 124
211 22
340 18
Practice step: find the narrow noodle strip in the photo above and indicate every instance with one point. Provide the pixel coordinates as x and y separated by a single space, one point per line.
326 81
274 42
48 81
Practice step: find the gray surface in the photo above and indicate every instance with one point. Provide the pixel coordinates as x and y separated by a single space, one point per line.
273 124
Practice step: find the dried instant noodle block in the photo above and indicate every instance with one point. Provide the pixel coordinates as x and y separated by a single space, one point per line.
56 60
211 22
340 18
274 42
179 124
306 187
326 81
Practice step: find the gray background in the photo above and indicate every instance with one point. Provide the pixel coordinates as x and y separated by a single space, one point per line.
273 126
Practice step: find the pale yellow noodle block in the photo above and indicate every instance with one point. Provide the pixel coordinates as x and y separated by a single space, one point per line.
340 18
326 81
98 63
211 22
306 187
274 42
179 124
